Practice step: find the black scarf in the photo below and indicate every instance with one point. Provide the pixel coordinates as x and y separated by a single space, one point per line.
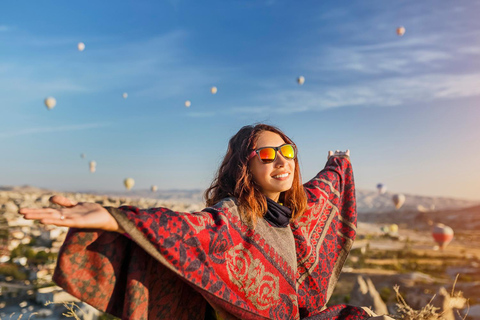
277 215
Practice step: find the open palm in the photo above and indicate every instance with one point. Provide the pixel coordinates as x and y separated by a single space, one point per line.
74 215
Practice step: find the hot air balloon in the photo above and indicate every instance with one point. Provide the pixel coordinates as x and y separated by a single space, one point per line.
400 31
93 166
213 90
129 183
50 102
301 80
154 188
188 103
82 156
381 188
393 228
398 200
125 95
442 235
81 46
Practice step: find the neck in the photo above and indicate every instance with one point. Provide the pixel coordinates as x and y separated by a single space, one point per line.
275 196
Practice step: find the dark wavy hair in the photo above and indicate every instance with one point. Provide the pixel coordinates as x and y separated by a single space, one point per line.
234 179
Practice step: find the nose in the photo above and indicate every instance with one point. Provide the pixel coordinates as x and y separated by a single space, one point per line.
280 161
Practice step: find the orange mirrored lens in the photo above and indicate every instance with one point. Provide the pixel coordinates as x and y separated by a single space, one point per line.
267 154
288 151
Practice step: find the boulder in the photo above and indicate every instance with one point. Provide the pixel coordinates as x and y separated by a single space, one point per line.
448 303
10 207
364 294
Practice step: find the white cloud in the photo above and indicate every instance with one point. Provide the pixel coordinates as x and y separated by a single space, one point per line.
152 67
375 68
474 50
378 93
201 114
65 128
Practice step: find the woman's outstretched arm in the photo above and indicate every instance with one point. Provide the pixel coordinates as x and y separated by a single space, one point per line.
324 233
74 215
331 178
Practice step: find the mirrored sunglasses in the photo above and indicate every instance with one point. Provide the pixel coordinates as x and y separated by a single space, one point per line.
269 154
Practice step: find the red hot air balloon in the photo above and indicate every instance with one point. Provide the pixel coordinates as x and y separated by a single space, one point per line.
442 235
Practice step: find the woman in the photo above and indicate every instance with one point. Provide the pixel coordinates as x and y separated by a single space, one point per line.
265 248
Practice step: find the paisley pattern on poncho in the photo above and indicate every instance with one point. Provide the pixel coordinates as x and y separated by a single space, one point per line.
173 263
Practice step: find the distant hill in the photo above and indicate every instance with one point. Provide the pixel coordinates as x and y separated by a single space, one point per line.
368 201
371 201
186 196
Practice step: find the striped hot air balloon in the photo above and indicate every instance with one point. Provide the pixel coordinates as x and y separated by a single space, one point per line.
442 234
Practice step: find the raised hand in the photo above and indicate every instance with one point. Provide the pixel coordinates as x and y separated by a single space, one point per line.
338 153
74 215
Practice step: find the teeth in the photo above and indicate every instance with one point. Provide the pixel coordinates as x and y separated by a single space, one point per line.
281 175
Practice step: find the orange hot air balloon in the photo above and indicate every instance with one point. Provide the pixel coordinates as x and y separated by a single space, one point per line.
188 103
401 31
213 90
154 188
442 235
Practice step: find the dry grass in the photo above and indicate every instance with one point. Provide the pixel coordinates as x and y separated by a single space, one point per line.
428 312
20 316
70 306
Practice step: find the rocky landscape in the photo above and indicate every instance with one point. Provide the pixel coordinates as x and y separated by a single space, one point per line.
383 258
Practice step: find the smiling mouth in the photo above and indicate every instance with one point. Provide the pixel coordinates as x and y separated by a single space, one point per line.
280 176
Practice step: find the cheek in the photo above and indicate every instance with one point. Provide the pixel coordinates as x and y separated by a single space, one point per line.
260 173
293 171
255 172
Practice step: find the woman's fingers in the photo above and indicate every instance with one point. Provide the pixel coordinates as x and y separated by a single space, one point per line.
39 214
338 153
73 214
66 222
65 202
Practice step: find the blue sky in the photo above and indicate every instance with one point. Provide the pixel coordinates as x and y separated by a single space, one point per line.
407 107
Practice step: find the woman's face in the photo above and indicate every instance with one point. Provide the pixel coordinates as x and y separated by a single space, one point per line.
277 176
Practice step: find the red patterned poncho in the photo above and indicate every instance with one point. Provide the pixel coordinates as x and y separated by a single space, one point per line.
173 263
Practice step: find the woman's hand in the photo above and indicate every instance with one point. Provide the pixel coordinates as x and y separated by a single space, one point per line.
74 215
338 153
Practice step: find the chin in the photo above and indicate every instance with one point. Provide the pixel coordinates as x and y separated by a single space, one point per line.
285 188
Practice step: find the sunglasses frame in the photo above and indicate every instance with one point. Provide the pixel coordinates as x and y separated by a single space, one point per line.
277 149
